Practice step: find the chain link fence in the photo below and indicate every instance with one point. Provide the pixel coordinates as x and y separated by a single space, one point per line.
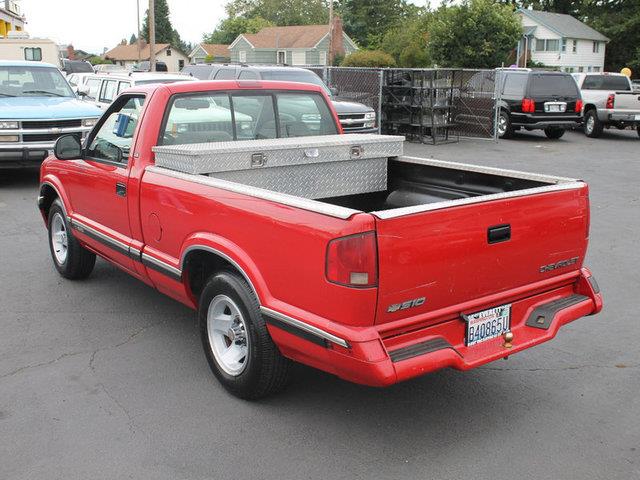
438 104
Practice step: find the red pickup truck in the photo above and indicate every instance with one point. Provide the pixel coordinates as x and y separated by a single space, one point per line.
294 242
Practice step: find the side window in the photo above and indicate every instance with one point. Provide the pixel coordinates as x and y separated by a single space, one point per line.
123 86
248 75
303 115
198 119
514 85
72 80
33 54
112 141
109 88
94 87
226 74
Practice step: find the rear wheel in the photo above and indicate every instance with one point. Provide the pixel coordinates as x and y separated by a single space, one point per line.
592 126
70 258
638 130
505 130
236 342
554 133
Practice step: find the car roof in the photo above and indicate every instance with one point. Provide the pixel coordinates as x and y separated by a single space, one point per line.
142 76
214 85
266 68
25 63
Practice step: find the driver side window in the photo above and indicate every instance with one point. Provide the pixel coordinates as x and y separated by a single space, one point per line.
112 141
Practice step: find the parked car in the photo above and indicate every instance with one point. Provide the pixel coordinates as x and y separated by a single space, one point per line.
354 117
296 243
145 66
78 80
108 68
76 66
37 105
537 100
635 85
609 101
102 89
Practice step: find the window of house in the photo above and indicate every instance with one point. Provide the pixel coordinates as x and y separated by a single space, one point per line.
575 46
596 47
299 58
282 57
564 45
33 54
168 52
323 58
596 69
242 56
547 45
180 64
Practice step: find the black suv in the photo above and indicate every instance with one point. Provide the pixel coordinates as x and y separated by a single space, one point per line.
536 100
354 117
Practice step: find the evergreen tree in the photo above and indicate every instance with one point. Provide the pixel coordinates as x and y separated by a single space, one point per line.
133 39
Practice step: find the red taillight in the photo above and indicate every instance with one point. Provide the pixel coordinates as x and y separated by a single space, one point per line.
578 106
353 260
528 105
611 100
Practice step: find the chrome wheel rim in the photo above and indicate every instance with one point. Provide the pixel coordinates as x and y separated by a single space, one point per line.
228 335
590 123
502 125
59 238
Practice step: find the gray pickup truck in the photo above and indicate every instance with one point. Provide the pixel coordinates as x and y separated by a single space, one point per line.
609 101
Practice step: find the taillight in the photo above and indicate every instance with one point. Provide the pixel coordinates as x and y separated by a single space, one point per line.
578 106
353 260
528 105
611 100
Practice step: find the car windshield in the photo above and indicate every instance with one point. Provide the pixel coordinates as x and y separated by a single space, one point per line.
606 82
33 82
295 76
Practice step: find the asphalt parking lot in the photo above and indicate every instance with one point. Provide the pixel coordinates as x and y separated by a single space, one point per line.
106 378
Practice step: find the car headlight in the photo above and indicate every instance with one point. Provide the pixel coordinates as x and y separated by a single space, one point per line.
89 122
9 138
370 116
4 125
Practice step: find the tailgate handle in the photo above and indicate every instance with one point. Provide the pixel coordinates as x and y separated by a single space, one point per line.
499 233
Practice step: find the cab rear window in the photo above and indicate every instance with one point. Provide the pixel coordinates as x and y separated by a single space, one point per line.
606 82
247 115
553 85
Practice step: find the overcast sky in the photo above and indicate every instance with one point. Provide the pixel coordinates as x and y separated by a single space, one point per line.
92 25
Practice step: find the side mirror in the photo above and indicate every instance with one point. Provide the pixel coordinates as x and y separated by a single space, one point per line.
68 147
82 90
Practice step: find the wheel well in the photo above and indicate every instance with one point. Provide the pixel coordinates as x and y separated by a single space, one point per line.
48 194
199 265
588 107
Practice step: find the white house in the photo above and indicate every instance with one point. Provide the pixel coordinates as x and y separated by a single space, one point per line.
128 55
559 40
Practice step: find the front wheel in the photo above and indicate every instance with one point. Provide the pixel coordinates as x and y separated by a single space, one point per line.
236 342
554 133
592 126
70 258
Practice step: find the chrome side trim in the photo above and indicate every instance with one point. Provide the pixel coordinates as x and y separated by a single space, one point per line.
488 170
293 201
161 267
399 212
305 327
222 255
101 237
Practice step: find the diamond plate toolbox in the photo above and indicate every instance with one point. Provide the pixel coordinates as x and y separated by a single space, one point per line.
309 167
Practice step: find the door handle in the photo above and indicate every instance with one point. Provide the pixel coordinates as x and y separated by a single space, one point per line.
499 233
121 189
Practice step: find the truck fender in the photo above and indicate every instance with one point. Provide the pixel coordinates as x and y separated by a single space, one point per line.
229 254
50 189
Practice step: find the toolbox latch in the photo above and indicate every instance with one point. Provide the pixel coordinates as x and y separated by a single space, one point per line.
357 151
258 160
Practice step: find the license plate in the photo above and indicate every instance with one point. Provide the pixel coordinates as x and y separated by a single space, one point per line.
488 324
555 107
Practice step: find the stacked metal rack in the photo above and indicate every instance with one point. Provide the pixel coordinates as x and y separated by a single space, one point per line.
417 103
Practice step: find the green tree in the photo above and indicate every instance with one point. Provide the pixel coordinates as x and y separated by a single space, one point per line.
164 30
229 28
473 34
281 12
133 39
408 44
367 21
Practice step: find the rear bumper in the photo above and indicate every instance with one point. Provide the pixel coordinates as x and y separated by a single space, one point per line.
374 360
537 122
626 117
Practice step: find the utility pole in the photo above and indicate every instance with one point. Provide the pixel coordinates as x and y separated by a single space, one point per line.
139 39
152 36
330 62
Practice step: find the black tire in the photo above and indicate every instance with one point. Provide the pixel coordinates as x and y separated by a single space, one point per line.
507 131
78 262
554 133
592 126
638 130
266 371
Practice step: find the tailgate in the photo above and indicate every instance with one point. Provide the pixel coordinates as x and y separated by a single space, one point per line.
627 101
443 257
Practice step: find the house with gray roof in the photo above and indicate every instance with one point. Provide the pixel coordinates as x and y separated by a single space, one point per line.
559 40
